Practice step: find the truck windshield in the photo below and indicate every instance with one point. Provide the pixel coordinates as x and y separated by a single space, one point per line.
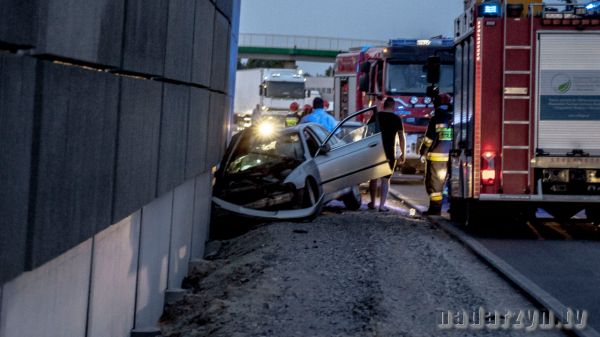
411 78
285 89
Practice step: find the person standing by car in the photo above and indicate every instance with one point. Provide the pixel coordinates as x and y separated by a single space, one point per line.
436 145
391 127
320 116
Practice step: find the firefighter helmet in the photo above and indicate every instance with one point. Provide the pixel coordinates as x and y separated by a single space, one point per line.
294 106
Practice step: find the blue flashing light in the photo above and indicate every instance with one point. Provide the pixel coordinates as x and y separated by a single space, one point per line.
490 9
594 5
402 42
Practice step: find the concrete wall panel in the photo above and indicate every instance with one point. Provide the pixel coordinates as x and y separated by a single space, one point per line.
16 132
226 7
201 220
76 159
173 137
154 261
220 56
216 126
181 233
197 141
114 275
203 42
85 30
137 150
180 32
18 22
50 301
145 36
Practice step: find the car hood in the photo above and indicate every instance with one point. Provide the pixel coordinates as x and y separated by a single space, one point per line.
246 188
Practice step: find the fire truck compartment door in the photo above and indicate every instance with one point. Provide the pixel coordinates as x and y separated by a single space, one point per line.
568 92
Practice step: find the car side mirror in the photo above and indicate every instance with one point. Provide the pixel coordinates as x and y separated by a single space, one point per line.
325 148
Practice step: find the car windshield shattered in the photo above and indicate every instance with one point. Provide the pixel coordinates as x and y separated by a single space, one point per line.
263 153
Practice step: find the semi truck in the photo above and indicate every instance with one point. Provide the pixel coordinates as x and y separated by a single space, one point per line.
268 92
366 76
526 131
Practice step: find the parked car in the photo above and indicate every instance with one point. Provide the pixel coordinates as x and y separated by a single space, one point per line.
290 173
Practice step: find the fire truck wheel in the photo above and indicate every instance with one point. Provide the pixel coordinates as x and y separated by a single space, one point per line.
563 213
473 218
593 214
457 210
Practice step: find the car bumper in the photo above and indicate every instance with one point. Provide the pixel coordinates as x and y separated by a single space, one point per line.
294 214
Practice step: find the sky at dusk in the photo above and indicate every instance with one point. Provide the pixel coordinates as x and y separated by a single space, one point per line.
372 20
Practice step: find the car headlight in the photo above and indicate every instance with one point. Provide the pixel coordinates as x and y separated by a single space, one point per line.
427 100
266 129
414 100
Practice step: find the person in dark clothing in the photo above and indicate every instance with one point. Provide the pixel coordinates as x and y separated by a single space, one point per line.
390 125
436 145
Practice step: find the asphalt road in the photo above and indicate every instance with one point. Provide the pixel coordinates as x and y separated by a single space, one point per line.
562 259
569 270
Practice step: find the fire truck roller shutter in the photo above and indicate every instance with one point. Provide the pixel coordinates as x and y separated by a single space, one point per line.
568 93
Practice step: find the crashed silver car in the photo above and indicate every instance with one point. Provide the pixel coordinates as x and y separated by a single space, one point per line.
290 173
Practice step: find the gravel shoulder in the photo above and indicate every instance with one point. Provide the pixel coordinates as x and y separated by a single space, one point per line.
350 274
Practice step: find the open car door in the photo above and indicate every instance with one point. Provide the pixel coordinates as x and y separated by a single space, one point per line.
356 158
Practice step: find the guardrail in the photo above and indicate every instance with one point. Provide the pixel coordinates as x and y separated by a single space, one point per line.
303 42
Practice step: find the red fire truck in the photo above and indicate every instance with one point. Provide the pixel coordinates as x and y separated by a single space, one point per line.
526 111
368 75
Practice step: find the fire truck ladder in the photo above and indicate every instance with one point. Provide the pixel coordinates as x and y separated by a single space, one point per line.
516 101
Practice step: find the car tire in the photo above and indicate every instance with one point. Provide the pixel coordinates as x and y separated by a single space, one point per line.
353 199
309 195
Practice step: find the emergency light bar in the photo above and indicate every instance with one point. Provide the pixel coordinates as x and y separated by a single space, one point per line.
490 9
421 42
593 6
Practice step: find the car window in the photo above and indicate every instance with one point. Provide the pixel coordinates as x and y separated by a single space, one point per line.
311 143
320 131
354 130
260 153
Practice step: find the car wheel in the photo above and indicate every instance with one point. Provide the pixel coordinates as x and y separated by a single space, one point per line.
309 194
353 199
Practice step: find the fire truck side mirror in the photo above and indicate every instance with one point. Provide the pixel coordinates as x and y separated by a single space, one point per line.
433 69
364 82
262 90
365 67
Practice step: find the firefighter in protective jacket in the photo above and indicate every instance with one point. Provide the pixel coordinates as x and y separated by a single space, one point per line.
436 146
